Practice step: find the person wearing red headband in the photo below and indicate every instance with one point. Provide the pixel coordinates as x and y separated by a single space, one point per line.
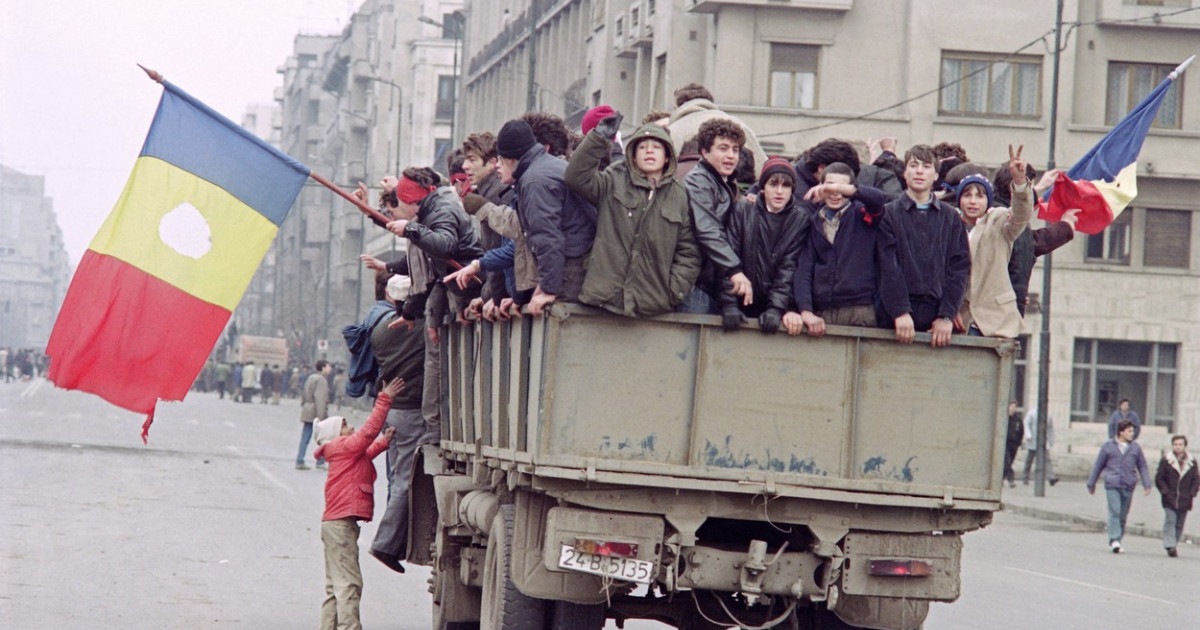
441 238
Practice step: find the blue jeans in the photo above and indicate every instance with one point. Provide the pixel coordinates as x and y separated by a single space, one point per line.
1172 527
306 431
698 302
1119 500
392 536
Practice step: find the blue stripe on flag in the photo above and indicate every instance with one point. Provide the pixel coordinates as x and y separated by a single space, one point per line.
1121 146
194 137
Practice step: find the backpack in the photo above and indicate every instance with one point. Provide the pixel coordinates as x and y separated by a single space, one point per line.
364 369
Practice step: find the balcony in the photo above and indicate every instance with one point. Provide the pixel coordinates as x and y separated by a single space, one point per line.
715 6
1148 15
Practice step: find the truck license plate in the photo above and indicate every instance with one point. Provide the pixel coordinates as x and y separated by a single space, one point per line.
627 569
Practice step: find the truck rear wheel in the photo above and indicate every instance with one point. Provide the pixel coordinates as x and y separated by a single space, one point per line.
572 616
505 607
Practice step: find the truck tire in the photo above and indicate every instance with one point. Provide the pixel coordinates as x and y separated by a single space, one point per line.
572 616
505 607
439 623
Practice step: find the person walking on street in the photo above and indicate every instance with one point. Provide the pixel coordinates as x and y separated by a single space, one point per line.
249 381
314 406
1179 481
1123 413
1121 461
1031 446
222 378
1012 443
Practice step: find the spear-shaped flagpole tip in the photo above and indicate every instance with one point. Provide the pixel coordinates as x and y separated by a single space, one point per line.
153 74
1183 66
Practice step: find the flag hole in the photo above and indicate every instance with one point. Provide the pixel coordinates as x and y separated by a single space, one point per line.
184 230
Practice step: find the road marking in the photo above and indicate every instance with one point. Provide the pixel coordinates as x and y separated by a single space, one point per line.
1094 586
264 472
32 388
230 424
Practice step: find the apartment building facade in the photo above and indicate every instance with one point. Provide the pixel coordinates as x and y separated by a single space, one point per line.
1124 304
354 106
34 270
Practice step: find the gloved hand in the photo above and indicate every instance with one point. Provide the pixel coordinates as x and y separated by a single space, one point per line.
769 320
472 202
731 318
610 125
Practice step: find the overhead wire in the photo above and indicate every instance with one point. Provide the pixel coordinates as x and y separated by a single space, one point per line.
1157 17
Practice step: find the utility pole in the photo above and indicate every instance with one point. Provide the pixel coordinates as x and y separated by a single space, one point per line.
1043 410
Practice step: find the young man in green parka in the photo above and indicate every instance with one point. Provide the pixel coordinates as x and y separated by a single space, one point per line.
645 258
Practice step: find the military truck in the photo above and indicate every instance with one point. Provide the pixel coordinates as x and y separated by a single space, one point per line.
594 467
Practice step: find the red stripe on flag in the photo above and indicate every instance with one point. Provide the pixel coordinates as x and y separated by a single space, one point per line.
130 337
1094 212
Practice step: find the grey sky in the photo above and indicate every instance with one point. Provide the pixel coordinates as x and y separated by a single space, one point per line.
75 108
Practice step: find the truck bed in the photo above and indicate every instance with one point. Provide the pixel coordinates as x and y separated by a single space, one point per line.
676 402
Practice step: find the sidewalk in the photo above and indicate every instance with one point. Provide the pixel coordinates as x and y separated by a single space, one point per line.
1069 501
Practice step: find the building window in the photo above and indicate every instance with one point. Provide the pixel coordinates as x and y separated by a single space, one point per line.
1106 371
313 114
1112 245
445 98
441 149
450 25
1168 239
1129 83
991 85
619 30
794 76
650 8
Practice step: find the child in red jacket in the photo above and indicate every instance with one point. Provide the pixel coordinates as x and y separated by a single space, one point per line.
349 498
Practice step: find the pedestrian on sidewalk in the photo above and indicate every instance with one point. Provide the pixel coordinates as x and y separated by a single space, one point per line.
314 406
1179 482
1121 460
1031 446
1124 413
349 498
1012 443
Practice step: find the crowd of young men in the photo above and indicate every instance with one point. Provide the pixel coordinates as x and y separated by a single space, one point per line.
685 214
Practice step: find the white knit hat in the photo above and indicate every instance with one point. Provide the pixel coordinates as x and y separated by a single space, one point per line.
328 429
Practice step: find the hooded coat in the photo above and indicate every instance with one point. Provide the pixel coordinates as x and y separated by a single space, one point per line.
1179 482
645 258
687 118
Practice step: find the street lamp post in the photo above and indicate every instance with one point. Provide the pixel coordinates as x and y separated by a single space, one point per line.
457 31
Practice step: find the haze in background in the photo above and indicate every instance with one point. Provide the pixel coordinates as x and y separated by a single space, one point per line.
75 107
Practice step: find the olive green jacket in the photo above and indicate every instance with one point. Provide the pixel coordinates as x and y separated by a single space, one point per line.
645 258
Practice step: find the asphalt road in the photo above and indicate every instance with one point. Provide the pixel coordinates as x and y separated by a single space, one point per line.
210 526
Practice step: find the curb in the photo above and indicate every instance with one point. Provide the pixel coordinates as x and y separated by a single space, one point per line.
1094 524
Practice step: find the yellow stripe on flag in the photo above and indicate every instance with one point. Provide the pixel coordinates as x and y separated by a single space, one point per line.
160 223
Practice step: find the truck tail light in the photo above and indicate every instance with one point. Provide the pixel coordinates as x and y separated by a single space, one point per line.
606 548
900 568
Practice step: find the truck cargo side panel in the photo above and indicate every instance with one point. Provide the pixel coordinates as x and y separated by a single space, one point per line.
621 391
929 424
773 403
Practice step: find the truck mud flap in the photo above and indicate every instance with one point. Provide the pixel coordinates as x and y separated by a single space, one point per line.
914 566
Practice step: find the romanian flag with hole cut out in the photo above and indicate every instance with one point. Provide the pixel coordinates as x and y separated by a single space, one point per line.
1103 182
160 280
